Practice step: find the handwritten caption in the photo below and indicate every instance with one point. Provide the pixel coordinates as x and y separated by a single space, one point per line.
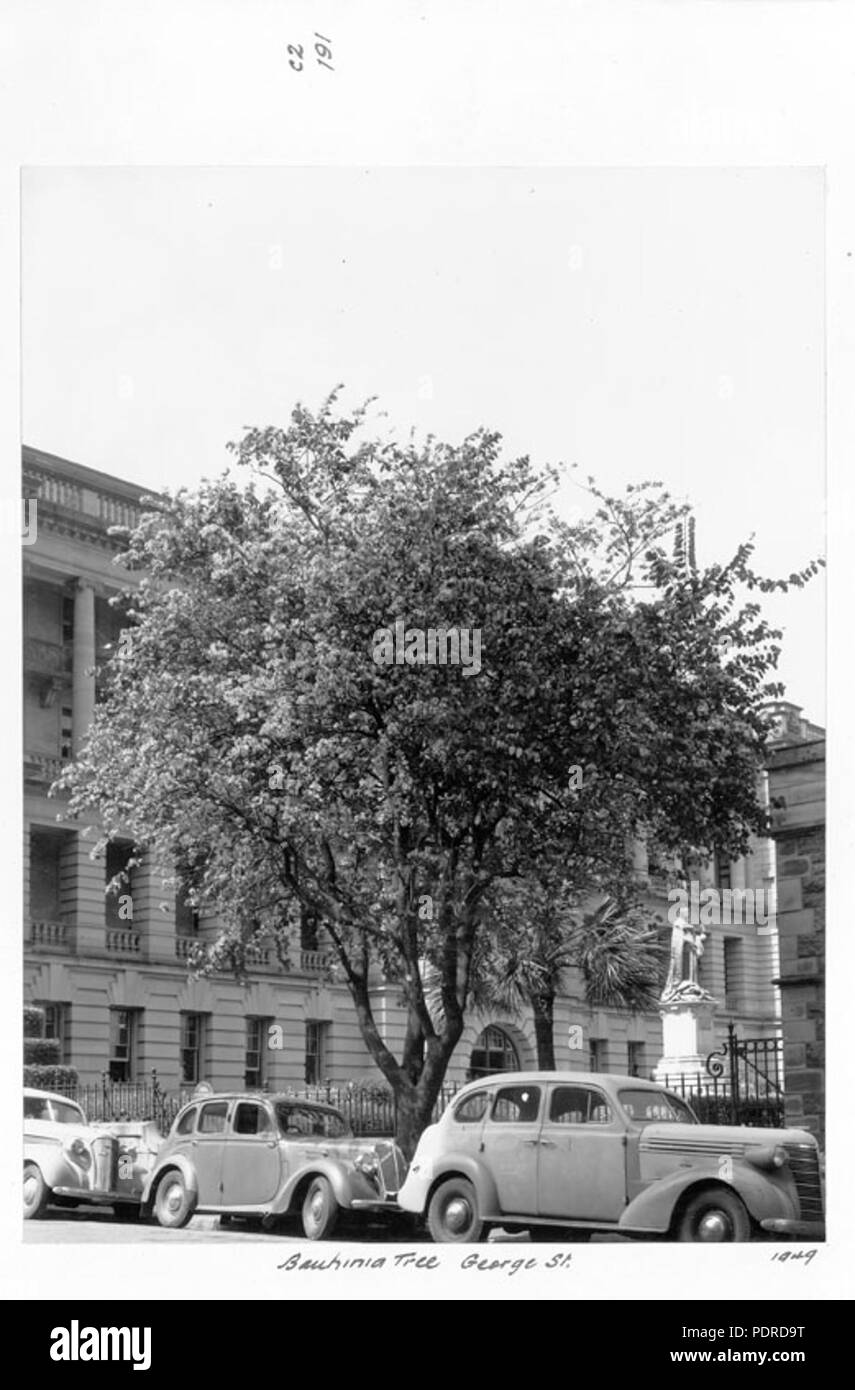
323 51
411 1259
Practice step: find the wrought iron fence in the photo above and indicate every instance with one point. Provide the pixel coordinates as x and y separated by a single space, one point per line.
370 1110
744 1086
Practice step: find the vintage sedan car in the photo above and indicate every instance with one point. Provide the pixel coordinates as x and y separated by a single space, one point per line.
567 1155
68 1161
270 1156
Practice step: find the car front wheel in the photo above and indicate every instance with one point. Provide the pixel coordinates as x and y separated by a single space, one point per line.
713 1217
320 1210
36 1192
173 1205
453 1213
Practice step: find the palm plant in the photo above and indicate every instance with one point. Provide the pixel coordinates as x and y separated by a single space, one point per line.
538 938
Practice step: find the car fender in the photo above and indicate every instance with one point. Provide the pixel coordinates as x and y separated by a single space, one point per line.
468 1166
653 1209
49 1159
184 1166
346 1182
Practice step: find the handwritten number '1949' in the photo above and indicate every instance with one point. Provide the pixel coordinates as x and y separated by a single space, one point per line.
323 50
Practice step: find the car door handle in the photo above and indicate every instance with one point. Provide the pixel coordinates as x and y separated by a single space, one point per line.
548 1144
531 1143
272 1143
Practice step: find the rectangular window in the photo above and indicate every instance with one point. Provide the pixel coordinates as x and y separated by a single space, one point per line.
123 1044
308 929
192 1048
634 1058
734 972
65 732
597 1053
119 901
255 1070
186 916
45 862
722 865
67 619
58 1025
316 1052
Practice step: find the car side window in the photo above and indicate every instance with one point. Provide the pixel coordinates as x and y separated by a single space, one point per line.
187 1121
579 1105
516 1105
250 1118
471 1109
212 1117
36 1109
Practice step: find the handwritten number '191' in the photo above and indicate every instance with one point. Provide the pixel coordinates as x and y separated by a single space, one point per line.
323 50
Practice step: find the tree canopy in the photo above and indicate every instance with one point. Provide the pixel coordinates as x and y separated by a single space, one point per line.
249 736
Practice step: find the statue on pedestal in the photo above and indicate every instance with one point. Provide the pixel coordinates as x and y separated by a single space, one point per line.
687 947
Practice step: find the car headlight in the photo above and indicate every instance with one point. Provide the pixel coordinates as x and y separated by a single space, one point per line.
79 1154
767 1156
367 1163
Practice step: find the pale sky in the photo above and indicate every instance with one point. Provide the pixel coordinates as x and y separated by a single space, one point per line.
645 324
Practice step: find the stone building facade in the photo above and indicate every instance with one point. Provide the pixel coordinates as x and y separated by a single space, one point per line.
797 791
116 987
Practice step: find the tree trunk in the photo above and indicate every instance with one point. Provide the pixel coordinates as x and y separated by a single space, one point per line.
414 1114
415 1101
543 1006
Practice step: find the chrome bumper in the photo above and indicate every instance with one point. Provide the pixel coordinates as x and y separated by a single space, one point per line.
374 1204
85 1194
807 1230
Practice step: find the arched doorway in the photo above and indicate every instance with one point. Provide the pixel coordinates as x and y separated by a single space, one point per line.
493 1052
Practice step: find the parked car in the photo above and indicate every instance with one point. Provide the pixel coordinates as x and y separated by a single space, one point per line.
270 1156
68 1161
567 1155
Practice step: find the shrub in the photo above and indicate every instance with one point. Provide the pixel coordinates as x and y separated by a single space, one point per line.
45 1078
41 1051
34 1021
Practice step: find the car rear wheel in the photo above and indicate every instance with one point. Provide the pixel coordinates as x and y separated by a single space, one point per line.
36 1192
715 1216
453 1213
174 1204
320 1210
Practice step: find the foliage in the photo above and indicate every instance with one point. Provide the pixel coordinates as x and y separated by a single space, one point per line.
34 1021
248 738
41 1051
50 1078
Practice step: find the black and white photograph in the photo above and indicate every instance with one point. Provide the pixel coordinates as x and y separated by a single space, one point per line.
424 704
423 662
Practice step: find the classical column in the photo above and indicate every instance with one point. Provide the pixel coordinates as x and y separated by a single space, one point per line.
737 873
83 664
154 911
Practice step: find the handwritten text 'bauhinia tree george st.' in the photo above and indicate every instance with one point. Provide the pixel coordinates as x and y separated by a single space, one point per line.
253 735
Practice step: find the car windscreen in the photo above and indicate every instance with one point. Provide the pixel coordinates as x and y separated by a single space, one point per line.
304 1121
655 1107
59 1111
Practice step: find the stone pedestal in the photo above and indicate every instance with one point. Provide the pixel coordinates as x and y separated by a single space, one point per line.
687 1037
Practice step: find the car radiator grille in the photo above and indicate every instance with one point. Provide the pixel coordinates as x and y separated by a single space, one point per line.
804 1166
105 1168
391 1170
